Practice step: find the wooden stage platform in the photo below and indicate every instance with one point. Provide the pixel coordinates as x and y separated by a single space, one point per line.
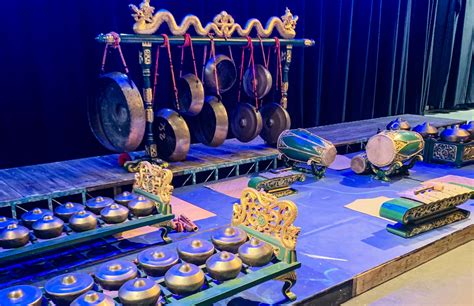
343 252
33 183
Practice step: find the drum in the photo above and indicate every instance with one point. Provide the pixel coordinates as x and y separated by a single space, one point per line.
388 147
300 145
360 164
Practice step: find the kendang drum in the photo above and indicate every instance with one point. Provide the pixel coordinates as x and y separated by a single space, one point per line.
302 146
395 151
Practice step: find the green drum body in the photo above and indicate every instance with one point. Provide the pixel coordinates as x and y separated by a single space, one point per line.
389 147
302 146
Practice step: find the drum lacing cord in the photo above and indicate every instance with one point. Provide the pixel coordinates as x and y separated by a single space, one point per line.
114 45
187 43
212 54
166 44
250 64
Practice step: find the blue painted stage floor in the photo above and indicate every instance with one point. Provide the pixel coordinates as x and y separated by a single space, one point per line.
335 244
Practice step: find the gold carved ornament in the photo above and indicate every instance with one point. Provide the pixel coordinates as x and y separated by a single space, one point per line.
155 180
223 24
264 213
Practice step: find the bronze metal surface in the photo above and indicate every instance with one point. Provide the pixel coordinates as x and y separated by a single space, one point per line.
114 213
226 72
263 81
246 122
190 94
275 120
211 125
171 135
116 113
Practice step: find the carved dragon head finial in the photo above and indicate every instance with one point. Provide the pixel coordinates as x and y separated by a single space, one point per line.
289 21
143 14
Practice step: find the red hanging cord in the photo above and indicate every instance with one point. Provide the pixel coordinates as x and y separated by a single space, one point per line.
252 62
166 44
265 60
279 75
187 43
204 62
213 55
155 79
114 45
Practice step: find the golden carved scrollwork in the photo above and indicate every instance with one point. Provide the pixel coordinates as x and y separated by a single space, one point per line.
223 25
263 212
155 180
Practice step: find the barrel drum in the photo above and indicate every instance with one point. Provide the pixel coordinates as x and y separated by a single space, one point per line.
389 147
360 164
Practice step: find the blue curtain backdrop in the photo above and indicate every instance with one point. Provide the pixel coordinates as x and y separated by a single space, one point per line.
372 58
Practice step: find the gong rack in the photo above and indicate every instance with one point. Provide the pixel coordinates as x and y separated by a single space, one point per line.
220 31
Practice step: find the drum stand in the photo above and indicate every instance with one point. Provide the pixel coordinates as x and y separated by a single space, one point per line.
317 170
397 168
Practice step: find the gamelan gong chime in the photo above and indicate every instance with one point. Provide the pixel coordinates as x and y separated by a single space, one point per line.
170 130
246 122
116 111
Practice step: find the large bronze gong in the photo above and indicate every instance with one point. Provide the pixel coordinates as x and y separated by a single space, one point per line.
275 120
263 81
211 124
116 113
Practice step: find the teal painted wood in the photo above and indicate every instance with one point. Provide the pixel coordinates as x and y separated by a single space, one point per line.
254 181
396 209
75 238
433 222
199 40
234 286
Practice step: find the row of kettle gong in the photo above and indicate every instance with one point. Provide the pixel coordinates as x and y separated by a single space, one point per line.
181 269
46 224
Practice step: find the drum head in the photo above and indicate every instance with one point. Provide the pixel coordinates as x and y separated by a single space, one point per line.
358 164
190 94
246 123
171 135
275 120
116 113
381 150
263 80
212 123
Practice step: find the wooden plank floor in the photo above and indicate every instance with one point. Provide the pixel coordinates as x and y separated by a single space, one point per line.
94 172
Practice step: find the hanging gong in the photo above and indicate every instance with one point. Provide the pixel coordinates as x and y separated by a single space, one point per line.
222 67
246 123
191 94
211 124
116 113
275 120
171 135
263 81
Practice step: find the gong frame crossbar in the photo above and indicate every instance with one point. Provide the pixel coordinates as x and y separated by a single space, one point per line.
145 60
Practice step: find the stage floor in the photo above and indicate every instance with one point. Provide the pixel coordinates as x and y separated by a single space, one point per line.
343 252
104 172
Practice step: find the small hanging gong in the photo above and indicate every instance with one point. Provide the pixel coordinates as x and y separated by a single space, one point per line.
211 124
275 120
262 79
171 135
116 113
246 123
